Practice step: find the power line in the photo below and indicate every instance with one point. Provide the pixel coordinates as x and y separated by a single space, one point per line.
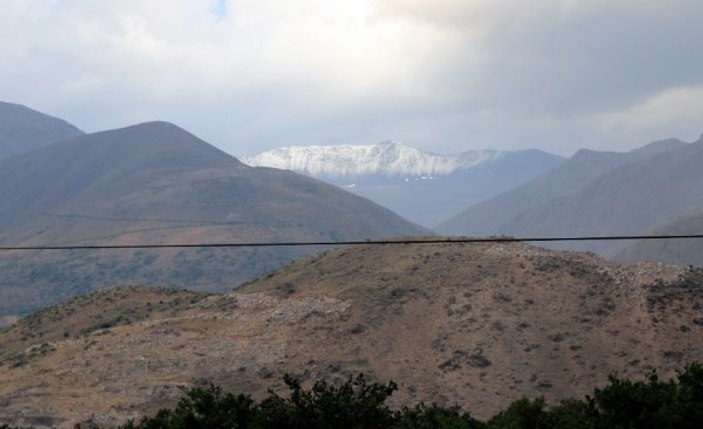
354 243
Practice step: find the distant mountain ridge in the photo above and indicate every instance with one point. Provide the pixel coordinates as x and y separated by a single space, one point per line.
23 129
389 158
494 215
424 187
36 183
597 194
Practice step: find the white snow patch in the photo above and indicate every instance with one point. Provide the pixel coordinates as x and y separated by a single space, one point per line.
386 158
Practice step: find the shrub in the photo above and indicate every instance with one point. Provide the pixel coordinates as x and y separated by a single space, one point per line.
357 404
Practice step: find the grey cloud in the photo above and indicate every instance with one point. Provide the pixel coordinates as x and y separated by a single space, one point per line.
605 57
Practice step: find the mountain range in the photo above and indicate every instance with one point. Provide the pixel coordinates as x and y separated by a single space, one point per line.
478 325
424 187
474 325
156 183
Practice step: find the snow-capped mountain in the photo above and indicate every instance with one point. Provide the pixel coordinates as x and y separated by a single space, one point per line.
388 158
423 187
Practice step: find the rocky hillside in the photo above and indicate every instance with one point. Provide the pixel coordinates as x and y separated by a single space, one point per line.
23 129
478 325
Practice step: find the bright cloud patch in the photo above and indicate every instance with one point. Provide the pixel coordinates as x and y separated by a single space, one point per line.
449 75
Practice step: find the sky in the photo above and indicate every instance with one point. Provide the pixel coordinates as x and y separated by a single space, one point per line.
440 75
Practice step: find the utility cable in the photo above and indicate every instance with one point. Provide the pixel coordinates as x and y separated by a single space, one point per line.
451 240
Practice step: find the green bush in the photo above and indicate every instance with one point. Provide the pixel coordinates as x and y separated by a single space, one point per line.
207 408
653 403
423 416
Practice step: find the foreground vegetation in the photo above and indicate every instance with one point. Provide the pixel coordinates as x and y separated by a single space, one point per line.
358 404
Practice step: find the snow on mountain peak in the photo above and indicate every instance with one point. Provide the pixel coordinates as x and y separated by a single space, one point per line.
387 158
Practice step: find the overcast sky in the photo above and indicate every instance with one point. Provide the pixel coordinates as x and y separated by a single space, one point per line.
441 75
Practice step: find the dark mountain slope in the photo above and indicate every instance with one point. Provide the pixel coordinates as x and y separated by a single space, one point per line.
156 183
96 166
634 199
23 129
494 216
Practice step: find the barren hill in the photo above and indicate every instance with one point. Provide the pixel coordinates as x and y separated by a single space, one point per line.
478 325
156 183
